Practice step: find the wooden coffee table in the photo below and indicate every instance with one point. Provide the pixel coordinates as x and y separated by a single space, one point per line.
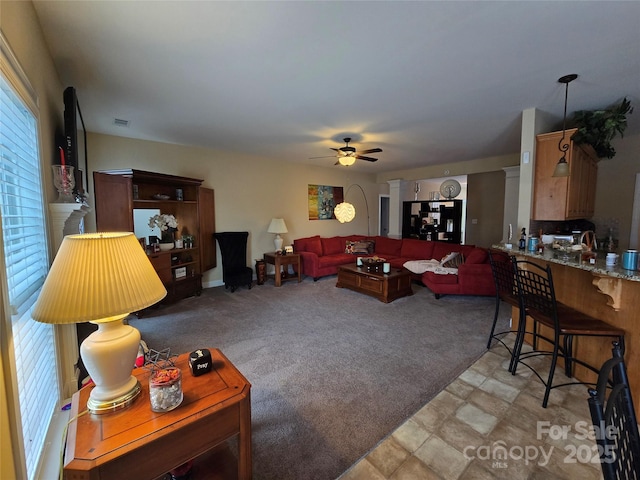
386 287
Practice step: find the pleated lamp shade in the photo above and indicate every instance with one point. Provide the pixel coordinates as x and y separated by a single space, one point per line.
101 278
277 225
96 276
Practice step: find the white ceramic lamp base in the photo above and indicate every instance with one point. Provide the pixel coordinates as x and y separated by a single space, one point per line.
109 355
278 242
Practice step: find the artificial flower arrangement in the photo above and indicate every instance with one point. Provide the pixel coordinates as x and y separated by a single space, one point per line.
167 223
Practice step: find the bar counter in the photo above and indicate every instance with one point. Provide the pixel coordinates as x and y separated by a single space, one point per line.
611 294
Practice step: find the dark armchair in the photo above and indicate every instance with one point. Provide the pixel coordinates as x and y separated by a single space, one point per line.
233 248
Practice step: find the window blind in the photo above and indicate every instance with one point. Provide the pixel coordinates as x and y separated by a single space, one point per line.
26 263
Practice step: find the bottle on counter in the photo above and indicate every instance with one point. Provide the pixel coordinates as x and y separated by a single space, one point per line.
610 244
522 243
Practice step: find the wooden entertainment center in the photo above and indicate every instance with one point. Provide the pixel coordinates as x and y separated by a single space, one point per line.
122 195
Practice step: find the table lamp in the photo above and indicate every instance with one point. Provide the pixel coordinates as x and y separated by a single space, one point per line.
101 278
277 226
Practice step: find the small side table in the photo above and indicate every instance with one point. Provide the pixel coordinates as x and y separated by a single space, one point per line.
278 261
138 443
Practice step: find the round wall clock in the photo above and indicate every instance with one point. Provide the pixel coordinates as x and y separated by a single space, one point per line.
450 188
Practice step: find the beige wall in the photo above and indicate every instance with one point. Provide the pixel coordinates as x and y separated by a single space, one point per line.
485 203
478 165
616 185
249 191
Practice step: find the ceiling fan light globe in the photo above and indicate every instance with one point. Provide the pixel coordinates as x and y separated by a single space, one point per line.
347 160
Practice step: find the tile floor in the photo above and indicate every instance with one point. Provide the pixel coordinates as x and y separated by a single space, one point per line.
484 413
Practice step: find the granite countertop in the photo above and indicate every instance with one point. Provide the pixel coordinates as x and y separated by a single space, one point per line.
599 267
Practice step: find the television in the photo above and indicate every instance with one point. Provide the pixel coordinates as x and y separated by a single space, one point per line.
75 140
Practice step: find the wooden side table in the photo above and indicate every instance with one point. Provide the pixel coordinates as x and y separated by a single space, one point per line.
138 443
278 261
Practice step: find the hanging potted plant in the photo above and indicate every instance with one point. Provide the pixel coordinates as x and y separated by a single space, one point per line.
598 127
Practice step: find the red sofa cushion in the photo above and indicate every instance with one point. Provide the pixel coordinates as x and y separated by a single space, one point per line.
332 245
308 244
335 260
418 249
388 246
477 255
439 279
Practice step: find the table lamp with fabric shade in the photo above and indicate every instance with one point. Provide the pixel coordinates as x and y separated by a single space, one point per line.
277 226
101 278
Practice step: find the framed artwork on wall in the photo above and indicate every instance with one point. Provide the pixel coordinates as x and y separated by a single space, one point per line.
322 201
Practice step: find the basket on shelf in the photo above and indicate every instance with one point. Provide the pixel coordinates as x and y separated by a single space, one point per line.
373 265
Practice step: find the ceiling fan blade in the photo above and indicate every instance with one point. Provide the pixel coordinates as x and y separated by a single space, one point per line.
326 156
368 159
373 150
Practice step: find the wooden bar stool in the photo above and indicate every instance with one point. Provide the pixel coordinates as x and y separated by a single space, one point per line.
537 295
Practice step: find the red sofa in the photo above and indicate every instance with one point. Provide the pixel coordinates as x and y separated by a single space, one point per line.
321 256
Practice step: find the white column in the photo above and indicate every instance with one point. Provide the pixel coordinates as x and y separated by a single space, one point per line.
67 219
527 163
395 208
511 189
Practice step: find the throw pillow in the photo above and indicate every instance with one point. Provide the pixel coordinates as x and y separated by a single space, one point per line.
365 247
349 247
477 255
452 260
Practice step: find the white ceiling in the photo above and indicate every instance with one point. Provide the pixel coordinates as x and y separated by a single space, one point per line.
428 82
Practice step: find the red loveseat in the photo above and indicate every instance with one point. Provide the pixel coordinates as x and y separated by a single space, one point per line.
321 256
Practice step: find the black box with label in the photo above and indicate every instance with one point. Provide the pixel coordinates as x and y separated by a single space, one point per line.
200 361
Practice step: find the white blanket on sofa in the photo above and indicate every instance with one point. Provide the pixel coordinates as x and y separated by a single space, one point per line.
420 266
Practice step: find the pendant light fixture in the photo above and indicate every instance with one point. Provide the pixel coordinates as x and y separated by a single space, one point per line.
562 168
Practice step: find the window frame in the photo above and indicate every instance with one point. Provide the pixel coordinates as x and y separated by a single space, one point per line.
15 76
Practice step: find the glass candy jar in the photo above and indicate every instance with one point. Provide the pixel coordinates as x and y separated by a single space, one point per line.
165 389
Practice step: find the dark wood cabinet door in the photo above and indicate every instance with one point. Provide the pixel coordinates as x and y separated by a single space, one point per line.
114 203
207 219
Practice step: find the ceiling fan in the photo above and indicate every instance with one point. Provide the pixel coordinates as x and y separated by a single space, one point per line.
347 155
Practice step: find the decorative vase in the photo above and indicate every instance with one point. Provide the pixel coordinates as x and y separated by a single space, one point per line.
165 389
167 241
64 182
165 247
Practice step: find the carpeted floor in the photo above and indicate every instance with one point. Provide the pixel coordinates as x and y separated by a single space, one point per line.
332 371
